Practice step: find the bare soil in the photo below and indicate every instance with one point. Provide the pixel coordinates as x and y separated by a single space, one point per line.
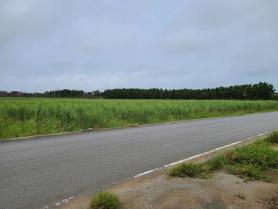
220 191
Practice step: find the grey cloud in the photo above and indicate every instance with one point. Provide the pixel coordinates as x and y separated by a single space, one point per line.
48 44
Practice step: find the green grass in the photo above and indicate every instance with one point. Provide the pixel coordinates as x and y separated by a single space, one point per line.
250 162
25 117
188 169
273 138
248 172
105 200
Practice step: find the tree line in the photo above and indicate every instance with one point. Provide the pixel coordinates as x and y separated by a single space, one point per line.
64 93
261 90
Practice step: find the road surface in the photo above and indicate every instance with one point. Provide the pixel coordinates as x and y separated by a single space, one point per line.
40 172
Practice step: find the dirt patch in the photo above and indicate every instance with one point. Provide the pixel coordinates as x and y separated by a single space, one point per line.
219 192
272 203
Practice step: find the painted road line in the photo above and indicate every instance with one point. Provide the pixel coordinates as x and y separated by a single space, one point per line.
199 155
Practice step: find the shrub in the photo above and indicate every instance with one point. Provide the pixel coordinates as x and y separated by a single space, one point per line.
105 200
187 169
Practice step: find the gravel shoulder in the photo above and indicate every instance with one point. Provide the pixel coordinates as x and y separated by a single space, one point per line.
222 190
219 192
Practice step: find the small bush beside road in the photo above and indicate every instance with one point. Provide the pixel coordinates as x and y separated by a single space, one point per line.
188 169
105 200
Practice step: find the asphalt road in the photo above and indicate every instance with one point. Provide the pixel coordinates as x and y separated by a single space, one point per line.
39 172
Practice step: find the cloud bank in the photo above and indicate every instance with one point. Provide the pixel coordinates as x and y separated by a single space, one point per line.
90 44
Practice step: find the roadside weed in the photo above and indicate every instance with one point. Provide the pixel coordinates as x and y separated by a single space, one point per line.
105 200
188 169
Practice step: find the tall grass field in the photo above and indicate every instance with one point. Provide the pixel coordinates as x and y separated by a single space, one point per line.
25 117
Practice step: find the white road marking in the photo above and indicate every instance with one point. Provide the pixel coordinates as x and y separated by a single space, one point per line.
57 203
65 201
147 172
198 155
70 198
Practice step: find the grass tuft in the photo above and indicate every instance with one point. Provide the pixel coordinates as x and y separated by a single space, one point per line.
105 200
216 163
187 169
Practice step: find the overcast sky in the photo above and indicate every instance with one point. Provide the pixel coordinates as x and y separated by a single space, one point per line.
100 44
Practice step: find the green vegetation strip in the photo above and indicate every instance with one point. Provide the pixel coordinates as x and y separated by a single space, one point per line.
105 200
250 162
27 117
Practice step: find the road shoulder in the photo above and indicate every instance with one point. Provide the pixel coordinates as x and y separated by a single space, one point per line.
222 190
